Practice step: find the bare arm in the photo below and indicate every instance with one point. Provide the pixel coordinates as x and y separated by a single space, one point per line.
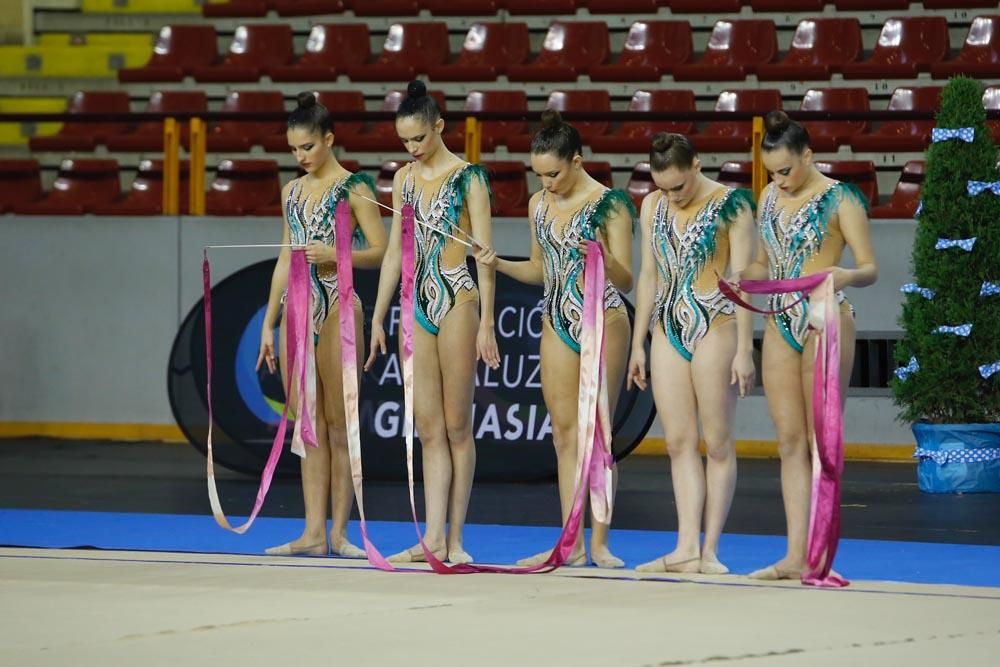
758 269
279 282
741 254
645 293
857 234
618 255
480 216
370 221
393 258
530 271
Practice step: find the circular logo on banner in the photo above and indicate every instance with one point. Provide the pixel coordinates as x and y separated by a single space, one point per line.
511 426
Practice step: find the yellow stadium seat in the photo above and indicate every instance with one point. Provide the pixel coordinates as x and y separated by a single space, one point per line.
70 61
120 40
141 6
17 134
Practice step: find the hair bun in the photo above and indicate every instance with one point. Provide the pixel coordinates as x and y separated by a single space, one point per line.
776 121
662 141
306 99
416 89
551 119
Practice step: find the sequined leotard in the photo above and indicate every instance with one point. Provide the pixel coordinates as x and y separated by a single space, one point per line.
689 255
563 263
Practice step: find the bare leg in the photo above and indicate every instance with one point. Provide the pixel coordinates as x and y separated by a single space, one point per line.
457 343
315 474
428 415
712 372
329 368
673 391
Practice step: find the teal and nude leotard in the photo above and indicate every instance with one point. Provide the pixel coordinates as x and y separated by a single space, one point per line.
799 243
442 280
311 218
689 255
562 300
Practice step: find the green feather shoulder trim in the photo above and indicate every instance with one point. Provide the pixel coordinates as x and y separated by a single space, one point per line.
610 203
359 178
851 191
736 200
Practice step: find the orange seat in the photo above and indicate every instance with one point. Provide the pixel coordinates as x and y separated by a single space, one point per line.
80 187
569 50
381 136
236 9
734 50
254 49
332 48
85 136
145 197
903 135
980 54
489 49
510 188
635 136
736 174
240 135
148 135
335 101
906 197
546 7
572 100
409 49
857 172
383 183
20 183
493 132
829 135
819 48
179 50
240 187
651 50
722 136
640 183
906 46
309 7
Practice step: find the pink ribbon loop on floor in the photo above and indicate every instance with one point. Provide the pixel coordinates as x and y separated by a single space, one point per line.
828 438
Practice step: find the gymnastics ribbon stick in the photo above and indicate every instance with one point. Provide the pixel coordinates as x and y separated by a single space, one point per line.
827 443
349 369
297 316
571 530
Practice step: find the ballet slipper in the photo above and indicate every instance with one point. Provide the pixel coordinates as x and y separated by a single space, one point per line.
459 556
318 549
686 566
574 560
416 555
712 566
348 550
603 558
773 573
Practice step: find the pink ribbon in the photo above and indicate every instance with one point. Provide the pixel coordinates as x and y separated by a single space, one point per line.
297 323
591 377
828 442
349 369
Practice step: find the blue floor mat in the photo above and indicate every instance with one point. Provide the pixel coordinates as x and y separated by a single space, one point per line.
912 562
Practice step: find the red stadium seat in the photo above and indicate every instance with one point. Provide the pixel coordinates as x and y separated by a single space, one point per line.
706 6
723 136
787 5
334 101
651 50
239 135
736 174
240 187
819 48
903 135
635 136
385 7
20 183
236 9
547 7
489 49
906 46
870 5
829 135
254 49
734 50
640 184
409 49
330 50
858 172
383 183
991 102
510 188
625 6
382 136
569 50
572 100
494 132
309 7
462 7
179 50
600 172
85 136
82 185
145 197
906 197
980 54
959 4
148 135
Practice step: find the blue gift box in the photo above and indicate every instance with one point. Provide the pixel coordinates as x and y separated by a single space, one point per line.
958 458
